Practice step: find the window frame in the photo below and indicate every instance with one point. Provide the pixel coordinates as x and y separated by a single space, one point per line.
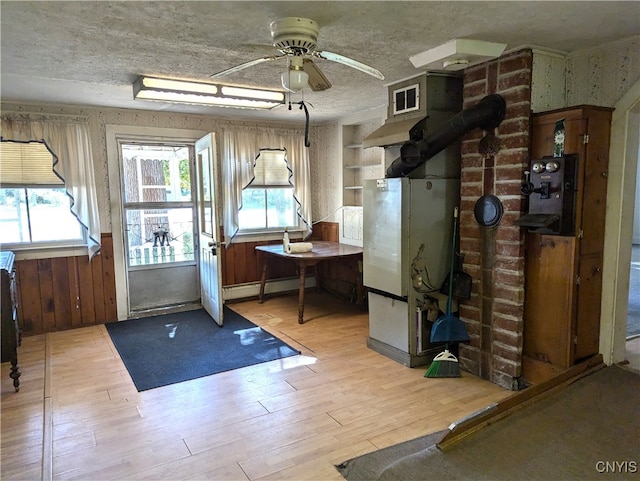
262 233
157 205
39 246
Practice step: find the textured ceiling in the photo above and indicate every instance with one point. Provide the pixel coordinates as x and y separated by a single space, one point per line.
90 53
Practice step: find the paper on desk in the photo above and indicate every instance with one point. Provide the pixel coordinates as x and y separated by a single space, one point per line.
298 247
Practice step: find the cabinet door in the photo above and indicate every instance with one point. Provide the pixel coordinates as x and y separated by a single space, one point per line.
595 174
549 300
587 328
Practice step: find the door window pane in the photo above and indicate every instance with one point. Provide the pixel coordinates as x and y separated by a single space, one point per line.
159 210
206 194
156 173
159 236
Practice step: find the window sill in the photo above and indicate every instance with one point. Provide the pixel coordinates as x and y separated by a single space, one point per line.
28 253
240 238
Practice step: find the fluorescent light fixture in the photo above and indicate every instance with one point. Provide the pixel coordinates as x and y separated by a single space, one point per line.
200 93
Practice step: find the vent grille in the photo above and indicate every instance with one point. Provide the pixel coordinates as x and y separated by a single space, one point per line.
295 43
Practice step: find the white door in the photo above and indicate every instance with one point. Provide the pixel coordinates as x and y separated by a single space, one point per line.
209 242
159 223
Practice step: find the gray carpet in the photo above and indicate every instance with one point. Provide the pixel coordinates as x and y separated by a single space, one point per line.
633 312
588 431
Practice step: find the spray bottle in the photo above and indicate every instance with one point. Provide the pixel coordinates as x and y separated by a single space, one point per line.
285 240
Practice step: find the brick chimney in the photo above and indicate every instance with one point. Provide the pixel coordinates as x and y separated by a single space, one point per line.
494 256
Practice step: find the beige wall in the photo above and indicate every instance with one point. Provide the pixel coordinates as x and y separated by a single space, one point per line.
99 118
601 76
326 191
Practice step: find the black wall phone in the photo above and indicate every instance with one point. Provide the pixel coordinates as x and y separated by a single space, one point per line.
551 185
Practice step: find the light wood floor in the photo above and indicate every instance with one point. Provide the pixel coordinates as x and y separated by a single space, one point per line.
78 415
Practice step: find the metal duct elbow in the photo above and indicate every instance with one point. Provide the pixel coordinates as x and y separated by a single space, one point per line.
486 114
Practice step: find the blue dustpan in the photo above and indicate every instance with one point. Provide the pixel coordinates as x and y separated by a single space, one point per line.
449 328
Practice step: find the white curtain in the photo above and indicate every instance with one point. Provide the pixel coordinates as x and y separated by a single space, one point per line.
240 148
68 139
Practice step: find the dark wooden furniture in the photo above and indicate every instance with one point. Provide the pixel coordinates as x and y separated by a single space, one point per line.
322 251
9 314
563 274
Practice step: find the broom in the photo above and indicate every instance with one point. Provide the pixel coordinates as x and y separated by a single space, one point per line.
448 328
444 364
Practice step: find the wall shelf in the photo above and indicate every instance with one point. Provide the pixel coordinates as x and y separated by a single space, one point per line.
358 165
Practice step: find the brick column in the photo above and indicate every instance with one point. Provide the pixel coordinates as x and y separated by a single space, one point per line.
495 256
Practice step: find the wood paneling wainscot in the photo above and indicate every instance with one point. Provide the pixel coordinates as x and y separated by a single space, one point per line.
65 292
241 263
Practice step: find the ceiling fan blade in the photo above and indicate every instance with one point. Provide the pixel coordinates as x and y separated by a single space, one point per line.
334 57
242 66
317 81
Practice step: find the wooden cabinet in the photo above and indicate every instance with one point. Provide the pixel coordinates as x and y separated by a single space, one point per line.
9 313
563 274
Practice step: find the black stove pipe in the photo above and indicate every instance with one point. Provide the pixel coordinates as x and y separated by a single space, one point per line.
486 114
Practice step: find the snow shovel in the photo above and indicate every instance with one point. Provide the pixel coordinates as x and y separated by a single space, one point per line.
449 328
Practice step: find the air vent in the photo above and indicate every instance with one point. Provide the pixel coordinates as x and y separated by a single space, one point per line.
294 43
406 99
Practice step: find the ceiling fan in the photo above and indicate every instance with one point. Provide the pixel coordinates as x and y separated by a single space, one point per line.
296 38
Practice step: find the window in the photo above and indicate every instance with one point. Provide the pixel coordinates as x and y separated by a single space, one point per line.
244 154
268 201
34 205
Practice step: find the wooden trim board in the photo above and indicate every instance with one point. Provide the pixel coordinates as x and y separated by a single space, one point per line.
474 422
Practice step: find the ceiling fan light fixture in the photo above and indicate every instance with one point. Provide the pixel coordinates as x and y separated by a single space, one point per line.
200 93
295 78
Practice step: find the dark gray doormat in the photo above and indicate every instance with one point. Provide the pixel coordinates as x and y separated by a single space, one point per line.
177 347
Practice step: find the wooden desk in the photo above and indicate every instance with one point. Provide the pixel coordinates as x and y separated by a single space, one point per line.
322 251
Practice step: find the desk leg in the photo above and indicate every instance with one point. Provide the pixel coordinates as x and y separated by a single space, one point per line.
318 278
263 280
15 374
302 267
